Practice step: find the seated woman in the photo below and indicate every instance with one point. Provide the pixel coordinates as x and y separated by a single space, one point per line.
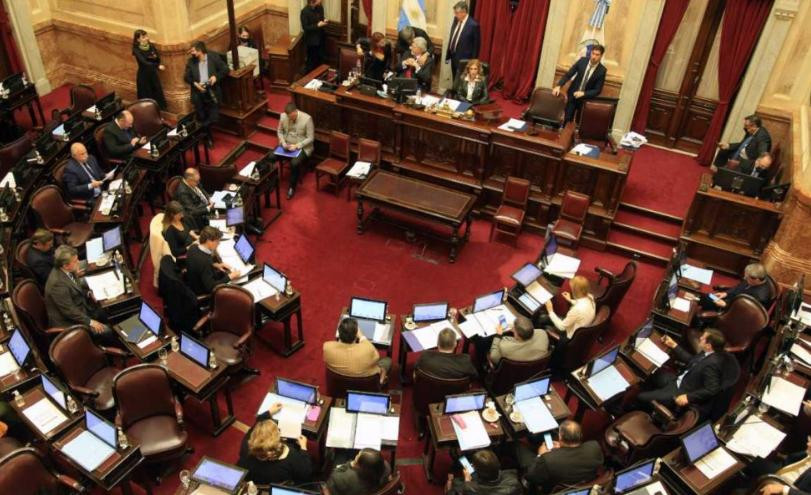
366 473
580 314
376 53
175 231
269 459
244 37
419 64
471 86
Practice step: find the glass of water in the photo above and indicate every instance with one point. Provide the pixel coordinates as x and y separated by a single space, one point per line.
185 478
163 355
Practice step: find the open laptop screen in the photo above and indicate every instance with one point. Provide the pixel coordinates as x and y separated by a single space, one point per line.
368 309
488 301
367 402
150 318
111 239
634 476
244 248
296 390
54 392
218 474
430 312
527 274
288 490
101 428
234 216
604 361
274 278
464 403
699 442
194 350
19 347
531 388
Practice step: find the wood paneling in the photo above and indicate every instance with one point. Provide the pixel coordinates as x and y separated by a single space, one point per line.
697 120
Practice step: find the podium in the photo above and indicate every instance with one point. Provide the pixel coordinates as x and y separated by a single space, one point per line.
242 106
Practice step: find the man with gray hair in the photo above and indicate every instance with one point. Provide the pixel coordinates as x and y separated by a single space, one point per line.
195 200
754 284
444 362
406 36
418 64
296 134
83 177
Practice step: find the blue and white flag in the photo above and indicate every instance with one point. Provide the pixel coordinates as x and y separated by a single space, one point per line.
412 13
593 33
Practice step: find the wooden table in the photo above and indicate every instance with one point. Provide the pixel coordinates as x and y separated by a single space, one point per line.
685 478
556 405
586 397
257 185
126 304
148 352
636 359
420 199
674 321
283 309
395 409
28 97
36 394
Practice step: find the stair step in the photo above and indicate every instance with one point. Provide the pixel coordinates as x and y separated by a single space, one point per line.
647 226
666 217
630 243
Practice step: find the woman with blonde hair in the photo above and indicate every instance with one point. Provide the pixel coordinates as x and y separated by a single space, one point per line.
471 86
582 310
269 459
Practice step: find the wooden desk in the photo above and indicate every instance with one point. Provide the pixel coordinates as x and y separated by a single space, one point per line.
556 405
419 199
28 97
636 359
19 378
36 394
672 320
257 185
687 479
126 304
586 397
395 409
283 309
148 352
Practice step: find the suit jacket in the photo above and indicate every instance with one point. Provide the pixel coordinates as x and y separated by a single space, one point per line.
423 76
404 48
802 484
479 90
216 67
76 180
593 86
118 141
761 141
40 263
357 359
193 204
446 365
702 381
66 301
302 131
760 292
507 483
201 275
567 465
511 348
469 40
746 167
310 17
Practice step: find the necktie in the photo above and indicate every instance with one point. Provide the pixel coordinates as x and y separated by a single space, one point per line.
743 145
585 77
200 193
455 37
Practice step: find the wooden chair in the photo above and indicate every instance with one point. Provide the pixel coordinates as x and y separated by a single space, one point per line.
230 326
336 165
21 260
171 187
573 211
58 216
509 372
545 108
107 161
610 289
29 305
741 323
594 126
603 478
510 215
26 472
638 435
368 151
338 384
146 115
215 177
12 152
576 352
429 389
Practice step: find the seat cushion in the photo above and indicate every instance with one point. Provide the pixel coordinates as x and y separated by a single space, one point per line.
158 436
637 427
332 166
79 233
567 229
223 345
102 382
509 214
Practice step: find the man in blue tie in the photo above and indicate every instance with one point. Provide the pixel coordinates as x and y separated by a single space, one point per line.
83 178
755 142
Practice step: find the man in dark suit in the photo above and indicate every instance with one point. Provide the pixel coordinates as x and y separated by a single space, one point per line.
464 39
759 168
195 200
204 270
756 140
570 461
40 255
312 23
83 178
204 74
444 362
406 36
418 64
587 76
119 138
754 283
796 466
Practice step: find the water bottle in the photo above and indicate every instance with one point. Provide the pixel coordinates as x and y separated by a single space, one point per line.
419 96
18 398
212 361
288 289
252 489
123 442
72 406
175 344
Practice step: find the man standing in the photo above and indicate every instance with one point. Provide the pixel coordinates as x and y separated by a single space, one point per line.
312 23
465 37
196 202
587 76
83 178
296 132
756 141
204 74
119 139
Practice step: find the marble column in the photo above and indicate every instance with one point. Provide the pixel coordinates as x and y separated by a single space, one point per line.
552 41
293 20
19 12
380 10
634 76
761 65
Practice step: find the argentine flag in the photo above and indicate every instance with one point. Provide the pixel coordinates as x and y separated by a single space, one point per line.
412 13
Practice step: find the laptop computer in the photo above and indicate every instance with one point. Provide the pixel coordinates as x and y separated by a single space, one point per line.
139 327
194 350
634 476
550 247
20 350
274 278
430 312
645 331
368 313
367 402
535 387
527 274
579 491
111 239
234 216
101 428
488 301
296 390
289 490
699 442
53 391
244 249
460 403
225 477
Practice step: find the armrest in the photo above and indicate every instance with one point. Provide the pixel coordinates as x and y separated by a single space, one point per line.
202 321
179 412
54 330
78 204
70 483
242 340
114 351
83 390
664 412
59 231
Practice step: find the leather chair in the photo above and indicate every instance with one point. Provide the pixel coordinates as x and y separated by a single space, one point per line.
577 349
215 177
573 211
347 60
25 472
149 414
146 115
82 97
336 165
171 187
57 174
57 216
610 289
21 259
544 107
709 316
85 366
12 152
510 214
230 325
637 435
29 304
394 486
741 323
429 389
338 384
594 127
107 162
509 372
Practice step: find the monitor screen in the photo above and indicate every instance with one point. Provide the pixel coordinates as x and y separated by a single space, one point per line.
221 475
244 248
430 312
295 390
367 402
234 216
194 350
532 388
150 318
581 491
551 246
111 239
673 287
54 392
527 274
699 442
529 302
602 362
633 476
488 301
101 428
464 402
368 309
274 278
19 347
645 331
287 490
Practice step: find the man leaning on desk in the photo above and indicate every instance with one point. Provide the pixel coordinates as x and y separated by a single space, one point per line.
296 132
205 270
587 76
119 138
83 178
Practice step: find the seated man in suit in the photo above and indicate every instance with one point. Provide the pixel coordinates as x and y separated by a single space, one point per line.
759 168
204 269
527 344
296 132
795 469
68 300
418 64
353 355
40 255
587 76
83 177
756 140
570 461
754 284
119 137
195 200
700 380
406 36
443 362
488 477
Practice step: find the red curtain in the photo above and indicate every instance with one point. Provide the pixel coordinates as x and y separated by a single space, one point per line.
511 43
671 19
367 9
743 20
9 45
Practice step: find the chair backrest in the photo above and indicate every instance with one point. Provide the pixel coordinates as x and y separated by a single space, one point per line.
180 306
338 384
516 192
82 97
618 287
171 187
98 138
369 151
142 391
604 476
58 173
23 472
393 487
575 206
777 163
666 439
214 177
21 252
51 207
545 107
577 349
146 115
347 59
76 356
11 153
339 145
232 310
30 307
429 389
509 372
730 374
743 319
774 294
596 118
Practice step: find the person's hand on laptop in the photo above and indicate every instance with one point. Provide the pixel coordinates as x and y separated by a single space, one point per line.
233 275
275 408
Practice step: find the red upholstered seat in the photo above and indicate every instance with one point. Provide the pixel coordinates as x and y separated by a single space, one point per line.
57 216
568 230
510 215
231 324
573 210
337 163
157 434
594 127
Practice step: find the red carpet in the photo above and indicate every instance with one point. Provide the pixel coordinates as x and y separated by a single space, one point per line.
662 180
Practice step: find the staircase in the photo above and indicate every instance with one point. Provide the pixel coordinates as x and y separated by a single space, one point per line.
650 234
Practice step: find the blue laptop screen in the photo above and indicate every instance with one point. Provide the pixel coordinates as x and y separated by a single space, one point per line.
527 274
551 245
633 477
295 390
18 347
488 301
464 403
274 278
101 428
54 392
367 403
111 239
244 248
193 349
365 308
430 312
234 216
604 361
534 388
150 318
700 442
218 474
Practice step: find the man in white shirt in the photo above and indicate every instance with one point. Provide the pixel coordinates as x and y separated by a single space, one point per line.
587 76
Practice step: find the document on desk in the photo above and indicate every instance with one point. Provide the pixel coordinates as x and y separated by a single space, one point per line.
292 409
341 428
8 365
368 431
513 125
680 304
107 204
700 275
359 170
653 353
391 428
247 170
289 428
539 292
44 415
106 285
562 266
95 249
59 132
470 327
804 314
115 185
608 383
9 180
536 415
172 133
231 258
427 336
382 333
653 489
756 438
88 450
147 342
428 100
259 289
219 197
472 435
715 463
784 395
800 352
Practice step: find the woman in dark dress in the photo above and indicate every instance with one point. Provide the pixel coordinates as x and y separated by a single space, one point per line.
376 52
178 235
149 63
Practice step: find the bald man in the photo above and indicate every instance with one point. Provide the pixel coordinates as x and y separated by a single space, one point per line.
195 200
83 178
119 137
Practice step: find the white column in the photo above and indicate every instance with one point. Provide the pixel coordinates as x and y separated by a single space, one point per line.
294 17
380 10
629 94
444 17
761 65
552 41
20 15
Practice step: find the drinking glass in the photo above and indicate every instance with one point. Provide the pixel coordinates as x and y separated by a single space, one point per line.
185 478
163 355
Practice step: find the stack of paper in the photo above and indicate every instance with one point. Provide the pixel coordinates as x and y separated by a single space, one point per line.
88 450
106 285
44 415
427 336
391 428
539 292
428 100
247 170
800 351
359 170
106 205
9 180
115 185
485 322
289 428
94 249
700 275
653 353
341 429
804 314
680 304
314 84
91 108
473 435
513 125
172 133
382 333
653 489
218 198
8 365
260 289
715 463
784 395
536 415
219 224
755 438
368 431
585 149
562 266
632 140
292 409
608 383
59 132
